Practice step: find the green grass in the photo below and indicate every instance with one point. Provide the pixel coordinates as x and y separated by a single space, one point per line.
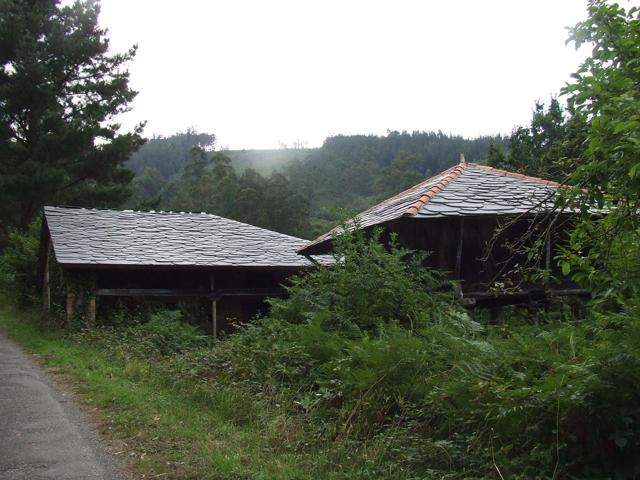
172 432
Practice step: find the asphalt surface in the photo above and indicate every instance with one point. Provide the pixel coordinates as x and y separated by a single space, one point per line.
43 434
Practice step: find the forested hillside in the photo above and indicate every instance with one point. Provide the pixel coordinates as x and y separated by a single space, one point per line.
312 186
169 155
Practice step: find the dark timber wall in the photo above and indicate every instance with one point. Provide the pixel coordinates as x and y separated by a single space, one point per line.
476 250
219 298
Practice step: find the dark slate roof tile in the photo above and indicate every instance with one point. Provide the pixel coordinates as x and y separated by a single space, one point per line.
466 189
110 237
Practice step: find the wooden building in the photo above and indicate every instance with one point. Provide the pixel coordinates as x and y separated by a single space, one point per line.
474 221
102 255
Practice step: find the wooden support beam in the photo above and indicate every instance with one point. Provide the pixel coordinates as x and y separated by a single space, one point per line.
490 300
547 256
214 319
46 286
568 292
548 252
496 315
458 270
214 307
178 293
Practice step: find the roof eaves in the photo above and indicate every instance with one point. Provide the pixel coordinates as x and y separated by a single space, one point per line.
322 238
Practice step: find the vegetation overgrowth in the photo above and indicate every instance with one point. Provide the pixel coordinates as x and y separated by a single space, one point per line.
19 265
371 369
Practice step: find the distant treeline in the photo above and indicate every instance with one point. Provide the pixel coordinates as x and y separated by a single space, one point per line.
312 187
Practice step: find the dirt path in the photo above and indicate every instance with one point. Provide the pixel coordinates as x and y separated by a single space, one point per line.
43 434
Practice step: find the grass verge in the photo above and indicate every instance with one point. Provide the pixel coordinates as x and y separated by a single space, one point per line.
172 433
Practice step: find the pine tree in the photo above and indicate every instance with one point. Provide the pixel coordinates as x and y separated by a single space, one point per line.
60 92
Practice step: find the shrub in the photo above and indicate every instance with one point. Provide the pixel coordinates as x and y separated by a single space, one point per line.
19 264
168 332
162 333
369 285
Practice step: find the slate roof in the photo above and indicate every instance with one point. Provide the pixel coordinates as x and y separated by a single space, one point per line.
120 238
467 189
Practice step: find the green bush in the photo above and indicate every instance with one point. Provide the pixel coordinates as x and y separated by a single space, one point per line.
168 332
162 333
19 265
367 286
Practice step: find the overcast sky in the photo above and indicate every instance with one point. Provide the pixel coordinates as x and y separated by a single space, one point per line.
260 73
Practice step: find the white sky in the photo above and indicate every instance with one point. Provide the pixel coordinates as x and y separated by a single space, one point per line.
257 73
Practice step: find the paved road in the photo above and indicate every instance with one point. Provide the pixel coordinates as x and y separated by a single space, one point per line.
43 435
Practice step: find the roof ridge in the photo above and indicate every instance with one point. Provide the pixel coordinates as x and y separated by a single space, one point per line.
131 210
520 176
426 197
412 188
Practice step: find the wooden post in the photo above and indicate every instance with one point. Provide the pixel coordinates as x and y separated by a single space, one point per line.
71 303
547 260
547 257
458 269
89 290
46 288
496 314
214 308
214 319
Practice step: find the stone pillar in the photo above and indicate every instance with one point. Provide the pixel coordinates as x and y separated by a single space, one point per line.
81 298
71 303
90 312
